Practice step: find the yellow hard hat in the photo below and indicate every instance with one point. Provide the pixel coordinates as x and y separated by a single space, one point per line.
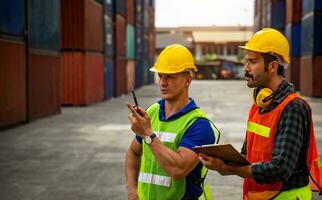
269 40
174 59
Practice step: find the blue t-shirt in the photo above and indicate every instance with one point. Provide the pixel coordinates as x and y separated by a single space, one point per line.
199 133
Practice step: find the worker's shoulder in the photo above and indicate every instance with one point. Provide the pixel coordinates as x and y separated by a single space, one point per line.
298 105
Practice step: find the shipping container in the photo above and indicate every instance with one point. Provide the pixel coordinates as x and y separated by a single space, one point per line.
120 79
120 36
12 18
109 39
293 72
109 8
43 84
311 6
151 18
108 78
293 11
82 25
130 12
138 73
44 24
152 42
130 75
130 42
82 78
120 7
293 34
12 83
311 34
310 79
278 12
152 3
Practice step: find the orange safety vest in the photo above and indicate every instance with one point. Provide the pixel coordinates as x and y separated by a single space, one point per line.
261 131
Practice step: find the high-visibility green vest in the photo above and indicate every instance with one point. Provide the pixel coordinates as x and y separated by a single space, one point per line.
154 182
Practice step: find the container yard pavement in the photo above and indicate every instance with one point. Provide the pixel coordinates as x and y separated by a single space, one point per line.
80 153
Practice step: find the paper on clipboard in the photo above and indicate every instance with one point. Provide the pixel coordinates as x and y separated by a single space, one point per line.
226 152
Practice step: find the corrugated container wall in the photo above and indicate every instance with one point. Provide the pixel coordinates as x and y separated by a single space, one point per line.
130 12
120 7
108 26
44 24
293 34
139 43
12 18
311 6
109 8
82 78
120 36
311 34
278 14
108 78
120 81
130 42
43 84
311 81
12 83
293 11
82 25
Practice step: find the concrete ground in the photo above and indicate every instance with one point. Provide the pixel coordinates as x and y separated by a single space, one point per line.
80 153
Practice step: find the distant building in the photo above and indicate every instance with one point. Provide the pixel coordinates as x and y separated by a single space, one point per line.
220 41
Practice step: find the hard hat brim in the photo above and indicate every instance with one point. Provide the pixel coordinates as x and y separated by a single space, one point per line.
153 69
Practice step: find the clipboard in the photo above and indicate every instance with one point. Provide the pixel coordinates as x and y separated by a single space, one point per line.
226 152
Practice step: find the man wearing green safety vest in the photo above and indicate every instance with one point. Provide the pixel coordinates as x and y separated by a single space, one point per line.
160 163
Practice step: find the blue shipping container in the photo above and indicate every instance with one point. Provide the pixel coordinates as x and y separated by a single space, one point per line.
293 34
278 13
138 73
109 8
12 17
311 6
120 6
44 24
109 39
311 35
108 79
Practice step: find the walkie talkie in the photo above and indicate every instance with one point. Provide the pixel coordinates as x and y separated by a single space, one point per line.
136 105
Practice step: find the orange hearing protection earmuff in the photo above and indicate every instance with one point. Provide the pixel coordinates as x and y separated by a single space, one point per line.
263 97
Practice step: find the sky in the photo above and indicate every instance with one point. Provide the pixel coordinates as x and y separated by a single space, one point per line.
174 13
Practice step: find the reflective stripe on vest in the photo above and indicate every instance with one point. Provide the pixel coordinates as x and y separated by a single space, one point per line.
258 129
154 179
166 136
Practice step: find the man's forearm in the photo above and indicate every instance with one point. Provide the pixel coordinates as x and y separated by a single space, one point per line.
132 168
172 162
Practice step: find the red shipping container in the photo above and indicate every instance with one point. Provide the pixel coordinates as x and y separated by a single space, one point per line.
82 25
82 78
120 79
120 36
293 72
151 45
12 83
130 12
43 84
310 80
130 75
293 11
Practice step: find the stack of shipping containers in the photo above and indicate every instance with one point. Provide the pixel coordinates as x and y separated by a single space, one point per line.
145 10
43 58
293 34
82 46
108 49
311 49
71 52
13 80
301 22
130 44
120 81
